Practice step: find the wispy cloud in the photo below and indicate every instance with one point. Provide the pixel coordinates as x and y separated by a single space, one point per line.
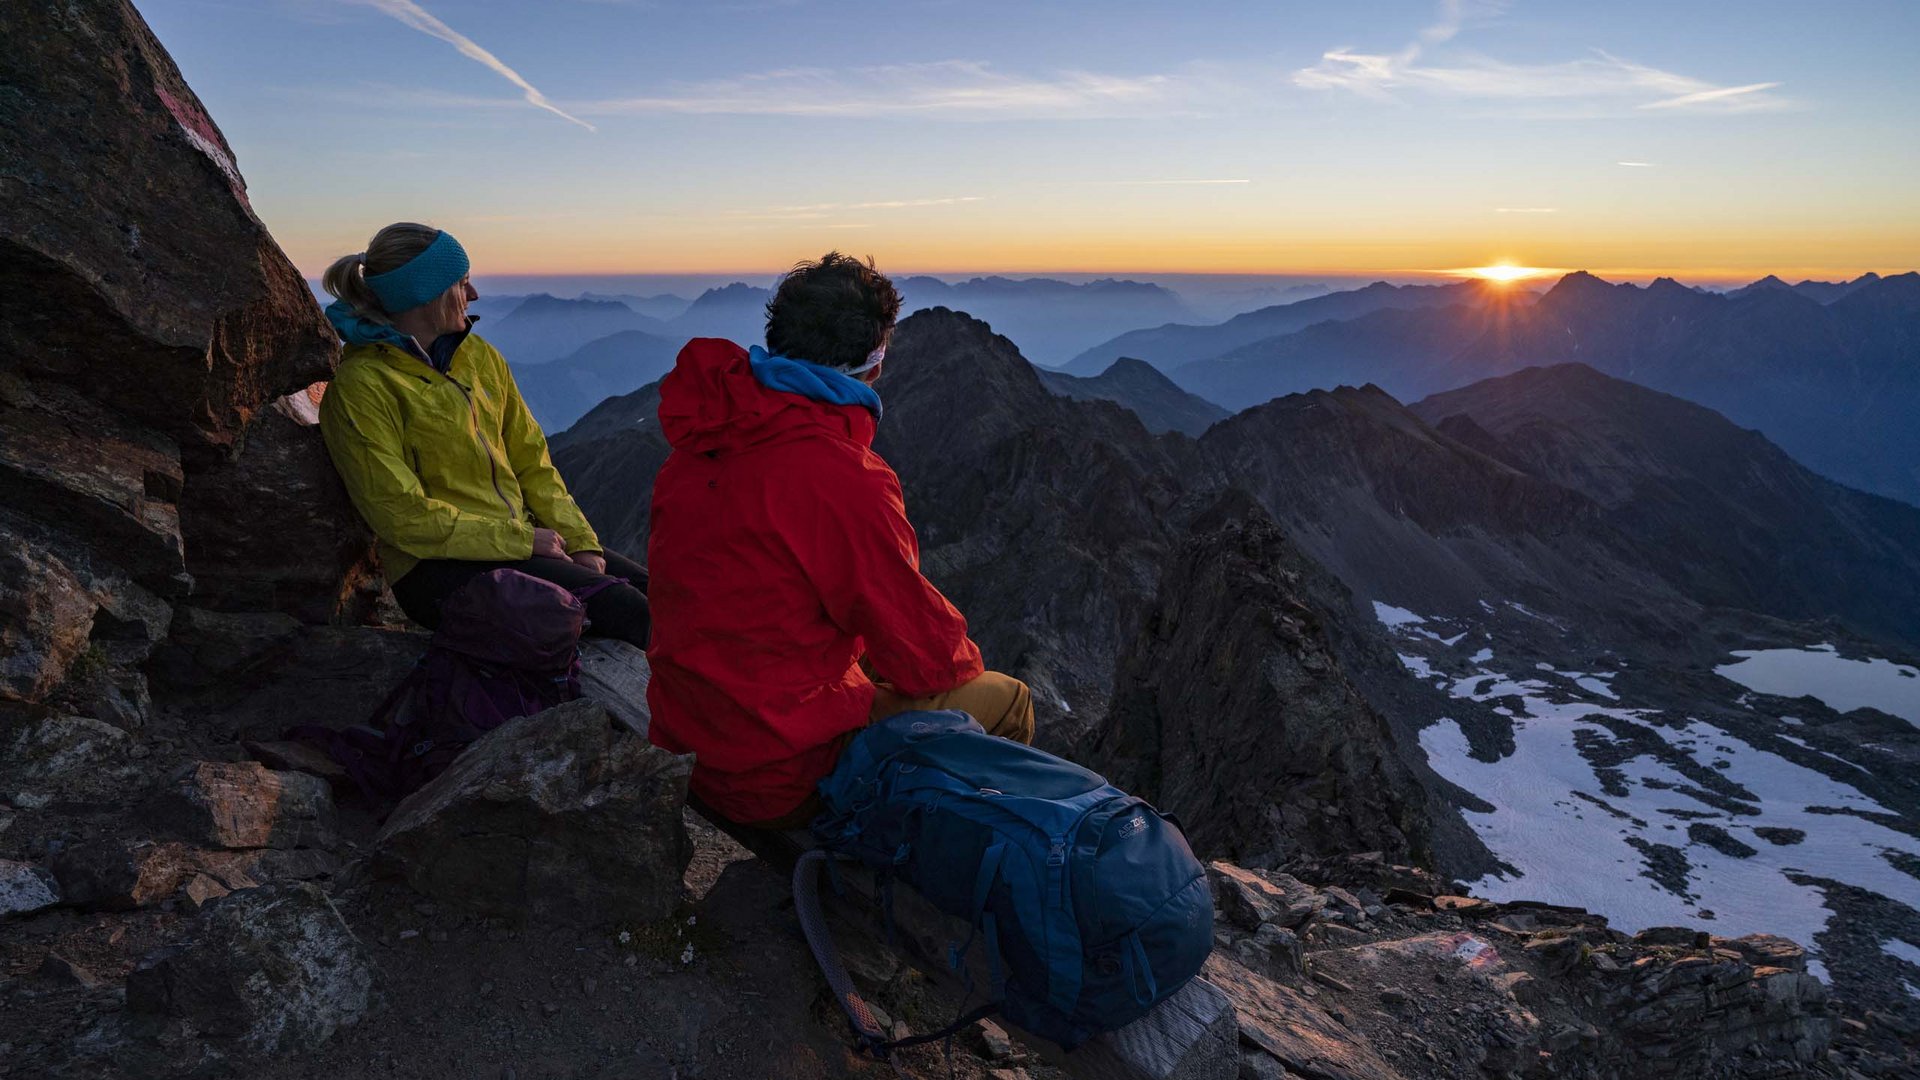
417 17
1602 78
1526 209
1710 97
1637 164
950 89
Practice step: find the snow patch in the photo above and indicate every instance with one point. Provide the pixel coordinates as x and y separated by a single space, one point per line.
1901 950
1395 616
1569 850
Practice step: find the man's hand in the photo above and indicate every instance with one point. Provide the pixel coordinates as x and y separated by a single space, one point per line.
591 560
548 545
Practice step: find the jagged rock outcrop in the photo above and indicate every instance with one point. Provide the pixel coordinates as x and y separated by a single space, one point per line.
1042 518
552 817
151 323
1230 709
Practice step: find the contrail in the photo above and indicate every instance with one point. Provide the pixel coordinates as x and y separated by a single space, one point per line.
414 15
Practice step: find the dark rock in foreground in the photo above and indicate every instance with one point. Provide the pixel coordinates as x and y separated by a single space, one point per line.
247 805
269 970
552 817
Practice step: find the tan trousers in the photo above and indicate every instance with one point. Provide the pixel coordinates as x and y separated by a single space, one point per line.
1002 704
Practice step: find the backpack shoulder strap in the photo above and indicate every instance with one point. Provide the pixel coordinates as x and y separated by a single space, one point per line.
813 922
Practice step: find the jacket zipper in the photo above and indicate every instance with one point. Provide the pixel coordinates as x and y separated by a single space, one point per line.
486 448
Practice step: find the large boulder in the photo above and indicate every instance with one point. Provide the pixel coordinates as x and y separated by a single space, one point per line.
557 816
155 323
165 298
267 970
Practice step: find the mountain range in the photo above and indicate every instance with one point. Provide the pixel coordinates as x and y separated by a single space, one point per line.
1169 346
1568 517
1828 372
1052 320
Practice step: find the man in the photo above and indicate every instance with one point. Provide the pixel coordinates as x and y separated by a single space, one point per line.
788 605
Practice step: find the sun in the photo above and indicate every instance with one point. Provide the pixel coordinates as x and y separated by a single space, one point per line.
1504 273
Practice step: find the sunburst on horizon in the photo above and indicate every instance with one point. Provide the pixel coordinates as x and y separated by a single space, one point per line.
1504 273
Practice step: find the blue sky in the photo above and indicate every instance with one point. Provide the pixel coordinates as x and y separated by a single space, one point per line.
678 136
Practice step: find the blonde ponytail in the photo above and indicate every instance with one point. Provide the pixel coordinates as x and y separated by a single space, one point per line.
390 249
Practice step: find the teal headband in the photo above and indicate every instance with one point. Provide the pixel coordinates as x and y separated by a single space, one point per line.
438 267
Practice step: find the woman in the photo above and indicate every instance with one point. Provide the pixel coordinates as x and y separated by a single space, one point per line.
427 428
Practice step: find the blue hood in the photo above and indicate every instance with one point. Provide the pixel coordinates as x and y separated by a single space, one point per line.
816 382
355 330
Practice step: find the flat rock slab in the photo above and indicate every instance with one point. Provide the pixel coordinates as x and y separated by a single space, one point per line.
271 970
25 889
247 805
1293 1029
553 817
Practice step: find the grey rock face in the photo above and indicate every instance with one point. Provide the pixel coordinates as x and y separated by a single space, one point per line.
555 816
68 759
271 970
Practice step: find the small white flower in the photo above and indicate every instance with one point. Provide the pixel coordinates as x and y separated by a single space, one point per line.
686 954
625 937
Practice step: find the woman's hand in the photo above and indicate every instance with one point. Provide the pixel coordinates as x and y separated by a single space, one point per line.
591 560
548 545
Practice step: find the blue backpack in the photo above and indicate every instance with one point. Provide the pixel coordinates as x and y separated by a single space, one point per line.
1091 906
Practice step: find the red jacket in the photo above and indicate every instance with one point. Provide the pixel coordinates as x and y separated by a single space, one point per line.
779 554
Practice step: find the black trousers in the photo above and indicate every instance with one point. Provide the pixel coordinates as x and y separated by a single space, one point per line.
616 612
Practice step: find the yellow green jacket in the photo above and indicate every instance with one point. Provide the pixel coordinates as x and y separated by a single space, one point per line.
444 466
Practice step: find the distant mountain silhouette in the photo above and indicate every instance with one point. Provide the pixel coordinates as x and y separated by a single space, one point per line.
737 312
561 391
1823 292
1170 346
544 327
1139 386
1717 509
664 306
1403 350
1052 320
1833 384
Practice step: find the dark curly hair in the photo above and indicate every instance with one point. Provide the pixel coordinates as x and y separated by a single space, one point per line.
834 311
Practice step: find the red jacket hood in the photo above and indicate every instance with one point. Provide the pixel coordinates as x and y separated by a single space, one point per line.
711 403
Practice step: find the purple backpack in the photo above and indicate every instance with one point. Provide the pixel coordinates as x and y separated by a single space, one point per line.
508 646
